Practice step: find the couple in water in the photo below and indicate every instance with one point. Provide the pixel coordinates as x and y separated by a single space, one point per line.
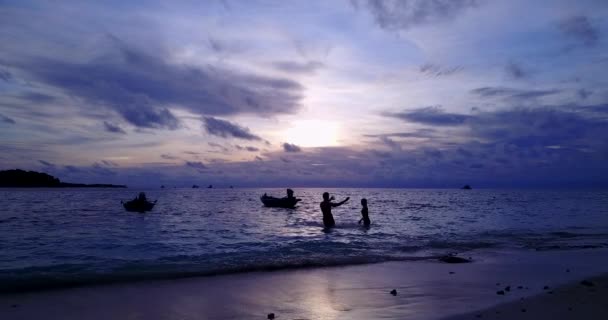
328 218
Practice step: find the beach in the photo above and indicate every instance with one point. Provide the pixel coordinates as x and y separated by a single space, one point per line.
425 290
303 160
583 300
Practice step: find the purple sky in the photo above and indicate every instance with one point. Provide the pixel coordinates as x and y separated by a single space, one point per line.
307 93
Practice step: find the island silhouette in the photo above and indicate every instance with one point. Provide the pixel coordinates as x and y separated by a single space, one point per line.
18 178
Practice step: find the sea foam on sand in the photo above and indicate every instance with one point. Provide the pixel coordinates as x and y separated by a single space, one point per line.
425 290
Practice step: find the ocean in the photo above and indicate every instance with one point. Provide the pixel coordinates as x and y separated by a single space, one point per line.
64 237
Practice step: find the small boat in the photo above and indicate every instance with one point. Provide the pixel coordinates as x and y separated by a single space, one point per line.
138 206
273 202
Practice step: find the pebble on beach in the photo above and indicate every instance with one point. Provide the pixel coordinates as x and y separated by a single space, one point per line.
394 292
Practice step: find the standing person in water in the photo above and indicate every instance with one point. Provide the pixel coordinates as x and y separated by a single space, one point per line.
364 213
290 194
326 205
142 197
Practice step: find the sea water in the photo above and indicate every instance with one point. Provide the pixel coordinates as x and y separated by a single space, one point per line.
60 237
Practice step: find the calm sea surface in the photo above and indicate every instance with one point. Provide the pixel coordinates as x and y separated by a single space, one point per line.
60 237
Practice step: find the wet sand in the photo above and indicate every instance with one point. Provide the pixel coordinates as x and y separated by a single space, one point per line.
425 290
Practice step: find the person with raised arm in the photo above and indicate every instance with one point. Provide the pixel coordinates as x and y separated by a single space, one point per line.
326 205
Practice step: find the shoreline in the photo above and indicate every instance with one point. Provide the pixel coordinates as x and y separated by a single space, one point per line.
425 290
38 284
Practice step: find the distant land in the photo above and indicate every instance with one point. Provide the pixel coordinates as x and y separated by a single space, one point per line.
31 179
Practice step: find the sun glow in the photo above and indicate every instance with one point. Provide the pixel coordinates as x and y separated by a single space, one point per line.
312 133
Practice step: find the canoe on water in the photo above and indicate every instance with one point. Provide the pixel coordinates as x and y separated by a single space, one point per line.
273 202
138 206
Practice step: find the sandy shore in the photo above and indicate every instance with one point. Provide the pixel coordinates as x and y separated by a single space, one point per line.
425 290
587 299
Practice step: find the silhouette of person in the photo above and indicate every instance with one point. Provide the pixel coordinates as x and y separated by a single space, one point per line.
142 197
290 194
326 205
364 213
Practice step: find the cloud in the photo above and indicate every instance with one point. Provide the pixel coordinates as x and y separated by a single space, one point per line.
515 71
6 119
433 115
580 29
108 163
420 133
298 67
405 14
196 165
5 75
37 97
142 87
168 157
101 168
113 128
46 163
584 93
381 154
219 146
547 146
434 70
539 126
221 47
72 169
289 147
511 93
390 143
226 129
247 148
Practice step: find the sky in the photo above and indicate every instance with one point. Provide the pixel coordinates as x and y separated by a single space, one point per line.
344 93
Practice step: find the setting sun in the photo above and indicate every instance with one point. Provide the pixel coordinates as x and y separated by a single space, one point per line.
313 133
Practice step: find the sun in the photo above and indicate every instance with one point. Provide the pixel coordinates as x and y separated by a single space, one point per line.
312 133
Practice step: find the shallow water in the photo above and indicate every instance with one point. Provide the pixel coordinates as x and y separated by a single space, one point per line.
58 237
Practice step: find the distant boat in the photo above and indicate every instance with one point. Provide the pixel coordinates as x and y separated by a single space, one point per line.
273 202
210 186
194 186
138 206
467 187
162 187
